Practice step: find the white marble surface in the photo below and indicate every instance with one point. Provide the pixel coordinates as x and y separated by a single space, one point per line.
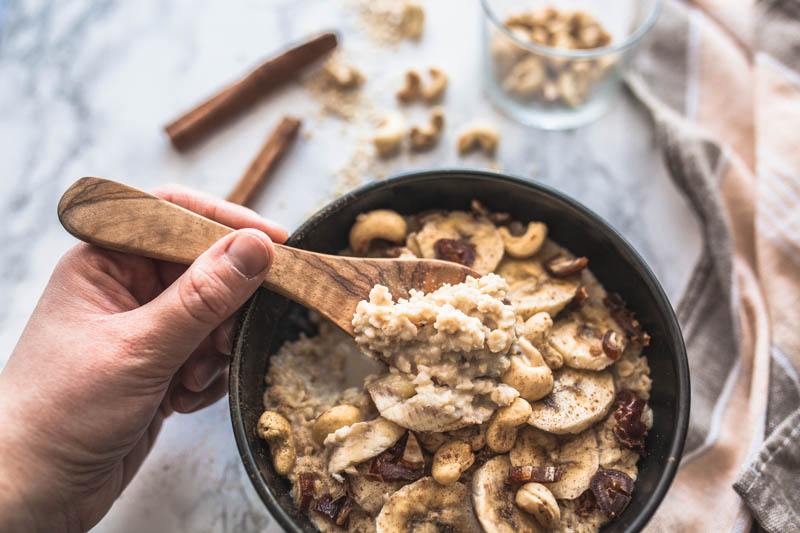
85 88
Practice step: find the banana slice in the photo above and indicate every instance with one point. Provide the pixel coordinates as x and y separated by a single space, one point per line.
351 445
459 225
579 399
427 506
520 269
542 294
579 338
493 500
435 409
371 494
577 455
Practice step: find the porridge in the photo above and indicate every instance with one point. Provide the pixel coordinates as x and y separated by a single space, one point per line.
514 401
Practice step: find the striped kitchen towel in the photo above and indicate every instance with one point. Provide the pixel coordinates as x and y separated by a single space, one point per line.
721 80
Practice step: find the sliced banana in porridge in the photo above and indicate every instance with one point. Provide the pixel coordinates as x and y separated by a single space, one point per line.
452 375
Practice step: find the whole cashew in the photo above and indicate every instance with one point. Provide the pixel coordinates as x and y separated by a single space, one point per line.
333 419
389 136
436 87
483 136
426 138
378 224
537 326
532 378
412 89
451 460
524 245
342 75
276 430
502 430
536 499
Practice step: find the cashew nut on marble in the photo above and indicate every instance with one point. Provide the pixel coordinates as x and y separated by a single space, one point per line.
477 135
425 138
412 89
378 224
451 460
389 136
275 429
333 419
435 89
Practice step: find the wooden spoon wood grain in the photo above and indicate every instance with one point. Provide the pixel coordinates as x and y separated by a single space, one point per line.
114 216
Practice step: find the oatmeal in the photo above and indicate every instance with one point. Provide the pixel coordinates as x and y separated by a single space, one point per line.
516 400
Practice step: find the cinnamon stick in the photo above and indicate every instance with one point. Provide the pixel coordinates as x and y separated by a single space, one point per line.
279 141
231 101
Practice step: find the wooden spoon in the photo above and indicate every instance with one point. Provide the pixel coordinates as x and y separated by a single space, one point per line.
114 216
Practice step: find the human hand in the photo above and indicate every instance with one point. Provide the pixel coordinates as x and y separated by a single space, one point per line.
115 344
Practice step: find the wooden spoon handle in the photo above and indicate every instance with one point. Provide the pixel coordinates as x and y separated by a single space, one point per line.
117 217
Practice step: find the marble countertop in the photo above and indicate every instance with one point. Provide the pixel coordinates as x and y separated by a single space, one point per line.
85 88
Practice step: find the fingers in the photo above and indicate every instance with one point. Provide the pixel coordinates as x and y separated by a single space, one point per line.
233 215
202 368
186 401
211 290
222 337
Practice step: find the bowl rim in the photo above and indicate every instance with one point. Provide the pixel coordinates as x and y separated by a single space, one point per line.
634 37
673 331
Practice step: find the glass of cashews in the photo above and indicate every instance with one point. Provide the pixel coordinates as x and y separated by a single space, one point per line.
558 64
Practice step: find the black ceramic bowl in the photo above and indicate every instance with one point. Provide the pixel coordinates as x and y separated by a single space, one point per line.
269 320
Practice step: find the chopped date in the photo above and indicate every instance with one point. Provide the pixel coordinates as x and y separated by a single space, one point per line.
306 482
561 266
456 251
626 319
394 465
587 504
580 296
629 429
612 490
337 510
517 475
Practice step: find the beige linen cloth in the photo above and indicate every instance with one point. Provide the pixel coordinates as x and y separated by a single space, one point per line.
721 79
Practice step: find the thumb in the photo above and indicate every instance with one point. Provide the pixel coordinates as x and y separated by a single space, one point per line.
211 289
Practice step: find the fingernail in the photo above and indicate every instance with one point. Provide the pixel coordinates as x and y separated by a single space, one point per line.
247 254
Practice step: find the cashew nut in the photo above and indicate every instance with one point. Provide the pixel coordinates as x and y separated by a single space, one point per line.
426 138
333 419
430 440
377 224
477 135
436 87
532 378
342 75
413 20
451 460
389 136
276 430
536 499
537 326
502 430
526 77
412 88
528 243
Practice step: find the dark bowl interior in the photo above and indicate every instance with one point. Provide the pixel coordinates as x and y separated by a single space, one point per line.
270 319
